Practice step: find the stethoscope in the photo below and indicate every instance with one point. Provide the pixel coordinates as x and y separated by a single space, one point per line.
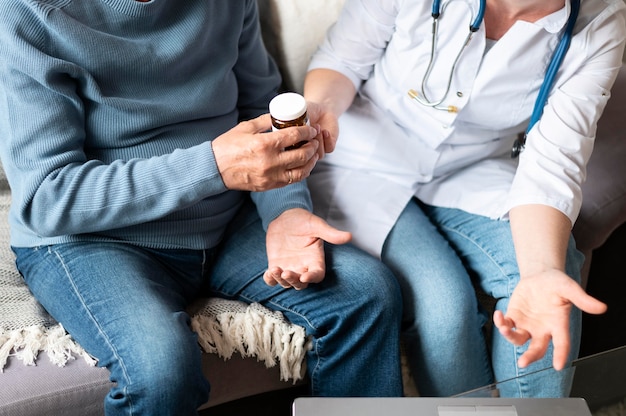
546 86
474 26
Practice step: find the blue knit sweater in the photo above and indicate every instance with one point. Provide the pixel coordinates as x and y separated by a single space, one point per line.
107 112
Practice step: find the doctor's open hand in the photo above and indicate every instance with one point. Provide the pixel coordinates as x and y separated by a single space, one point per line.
539 312
295 248
250 158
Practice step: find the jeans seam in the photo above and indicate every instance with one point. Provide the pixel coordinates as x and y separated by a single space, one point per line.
68 274
317 345
314 350
487 254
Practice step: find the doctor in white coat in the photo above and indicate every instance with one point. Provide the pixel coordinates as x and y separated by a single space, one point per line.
430 100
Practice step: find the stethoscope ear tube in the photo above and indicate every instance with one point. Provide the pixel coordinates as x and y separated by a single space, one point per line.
436 12
436 8
474 26
479 16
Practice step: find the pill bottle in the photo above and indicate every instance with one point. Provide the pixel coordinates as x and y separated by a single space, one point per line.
288 110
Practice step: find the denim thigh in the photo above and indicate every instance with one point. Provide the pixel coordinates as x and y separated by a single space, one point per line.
126 306
352 316
443 323
486 248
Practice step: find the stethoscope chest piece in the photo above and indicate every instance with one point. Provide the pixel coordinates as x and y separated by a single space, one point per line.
518 145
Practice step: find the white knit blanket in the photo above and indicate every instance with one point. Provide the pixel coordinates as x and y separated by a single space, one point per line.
223 327
226 327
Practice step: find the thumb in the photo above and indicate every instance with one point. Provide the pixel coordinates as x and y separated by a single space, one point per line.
330 234
585 302
260 124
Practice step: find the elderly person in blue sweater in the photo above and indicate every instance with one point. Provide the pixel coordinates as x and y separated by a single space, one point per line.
135 140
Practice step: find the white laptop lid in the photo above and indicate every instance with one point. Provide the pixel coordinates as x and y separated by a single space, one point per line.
435 406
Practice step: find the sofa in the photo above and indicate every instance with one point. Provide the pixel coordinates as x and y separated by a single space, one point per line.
38 379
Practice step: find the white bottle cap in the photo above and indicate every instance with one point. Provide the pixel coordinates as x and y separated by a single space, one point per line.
287 106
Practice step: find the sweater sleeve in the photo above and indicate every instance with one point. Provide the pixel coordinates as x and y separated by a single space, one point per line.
270 204
257 74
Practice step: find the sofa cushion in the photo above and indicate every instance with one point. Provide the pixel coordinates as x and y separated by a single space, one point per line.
294 29
78 389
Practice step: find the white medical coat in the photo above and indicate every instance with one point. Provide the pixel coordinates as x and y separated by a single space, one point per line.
392 148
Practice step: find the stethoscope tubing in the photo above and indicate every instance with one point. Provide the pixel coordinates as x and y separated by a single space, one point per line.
546 86
548 81
474 26
478 20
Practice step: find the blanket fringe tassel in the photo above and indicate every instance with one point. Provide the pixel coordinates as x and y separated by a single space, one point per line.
25 344
255 333
251 331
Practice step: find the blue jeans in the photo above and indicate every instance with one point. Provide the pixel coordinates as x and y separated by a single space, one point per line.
126 306
439 256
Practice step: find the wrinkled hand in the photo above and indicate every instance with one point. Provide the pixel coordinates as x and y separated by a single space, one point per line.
295 248
251 158
539 311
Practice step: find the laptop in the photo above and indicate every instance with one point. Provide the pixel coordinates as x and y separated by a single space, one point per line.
436 406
